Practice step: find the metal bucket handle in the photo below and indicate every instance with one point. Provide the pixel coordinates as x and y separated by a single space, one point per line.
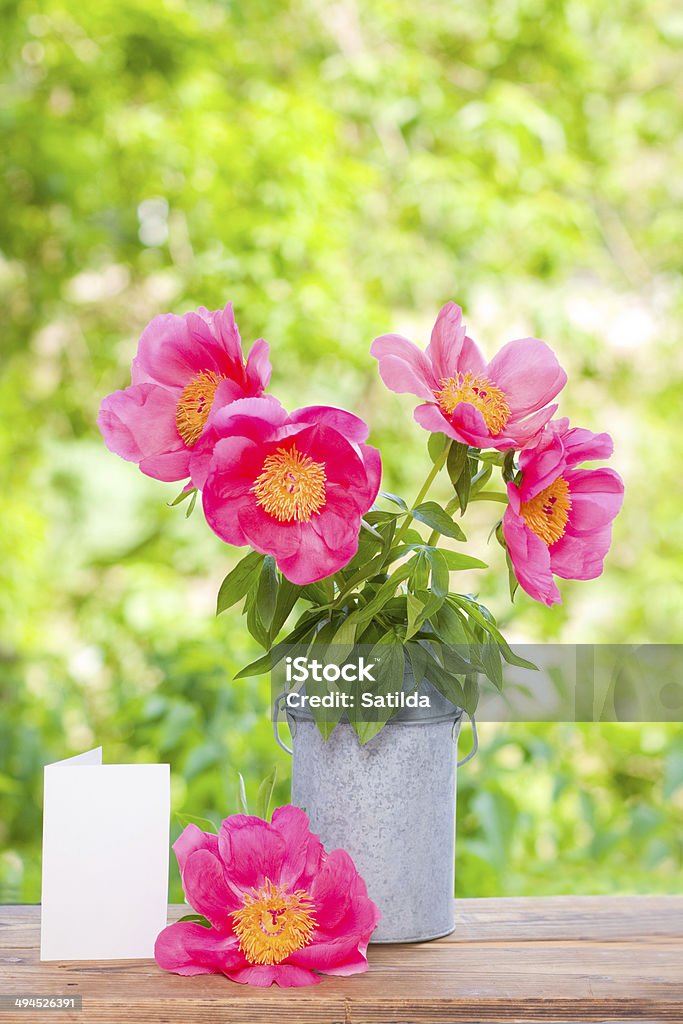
288 750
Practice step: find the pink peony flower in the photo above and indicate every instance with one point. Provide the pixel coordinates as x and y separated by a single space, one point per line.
279 906
501 404
184 364
559 520
291 486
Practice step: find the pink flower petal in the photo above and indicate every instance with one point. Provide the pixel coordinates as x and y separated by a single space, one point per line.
343 465
430 417
372 462
340 956
338 522
190 840
530 558
224 328
541 465
469 423
258 368
332 890
174 349
520 434
314 558
189 948
259 419
450 351
139 425
583 446
580 558
268 535
252 852
596 496
303 849
528 373
284 975
353 428
206 890
404 367
230 473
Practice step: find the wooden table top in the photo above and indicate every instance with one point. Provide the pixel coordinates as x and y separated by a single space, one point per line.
561 959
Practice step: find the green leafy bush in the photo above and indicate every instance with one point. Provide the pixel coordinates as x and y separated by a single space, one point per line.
337 170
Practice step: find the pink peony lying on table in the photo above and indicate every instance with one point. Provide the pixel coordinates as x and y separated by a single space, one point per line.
184 365
559 520
281 909
502 404
291 486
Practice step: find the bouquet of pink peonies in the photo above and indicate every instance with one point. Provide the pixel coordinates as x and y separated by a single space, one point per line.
327 563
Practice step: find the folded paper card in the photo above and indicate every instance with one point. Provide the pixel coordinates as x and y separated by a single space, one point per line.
105 858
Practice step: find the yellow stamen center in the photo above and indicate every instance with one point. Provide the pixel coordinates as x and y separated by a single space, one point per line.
477 391
194 405
548 512
274 923
290 486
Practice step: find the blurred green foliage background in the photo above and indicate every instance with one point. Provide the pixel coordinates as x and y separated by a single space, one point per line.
337 169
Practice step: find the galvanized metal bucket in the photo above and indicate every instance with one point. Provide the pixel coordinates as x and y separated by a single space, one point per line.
391 805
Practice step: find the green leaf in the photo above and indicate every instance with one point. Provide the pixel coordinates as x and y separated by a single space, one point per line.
411 541
436 518
446 684
456 562
475 611
205 824
418 660
449 626
456 461
415 609
462 484
190 507
419 577
388 679
480 480
265 795
433 599
509 465
495 458
267 592
314 592
383 594
268 661
287 596
500 496
395 498
195 919
513 582
436 444
440 578
345 636
471 694
183 496
492 664
242 804
254 623
237 583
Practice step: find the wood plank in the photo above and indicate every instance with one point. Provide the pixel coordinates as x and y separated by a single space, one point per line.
502 918
515 960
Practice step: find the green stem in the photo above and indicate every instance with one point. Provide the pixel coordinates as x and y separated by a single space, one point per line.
424 490
490 496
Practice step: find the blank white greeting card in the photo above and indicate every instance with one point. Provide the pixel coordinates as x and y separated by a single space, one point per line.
105 858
